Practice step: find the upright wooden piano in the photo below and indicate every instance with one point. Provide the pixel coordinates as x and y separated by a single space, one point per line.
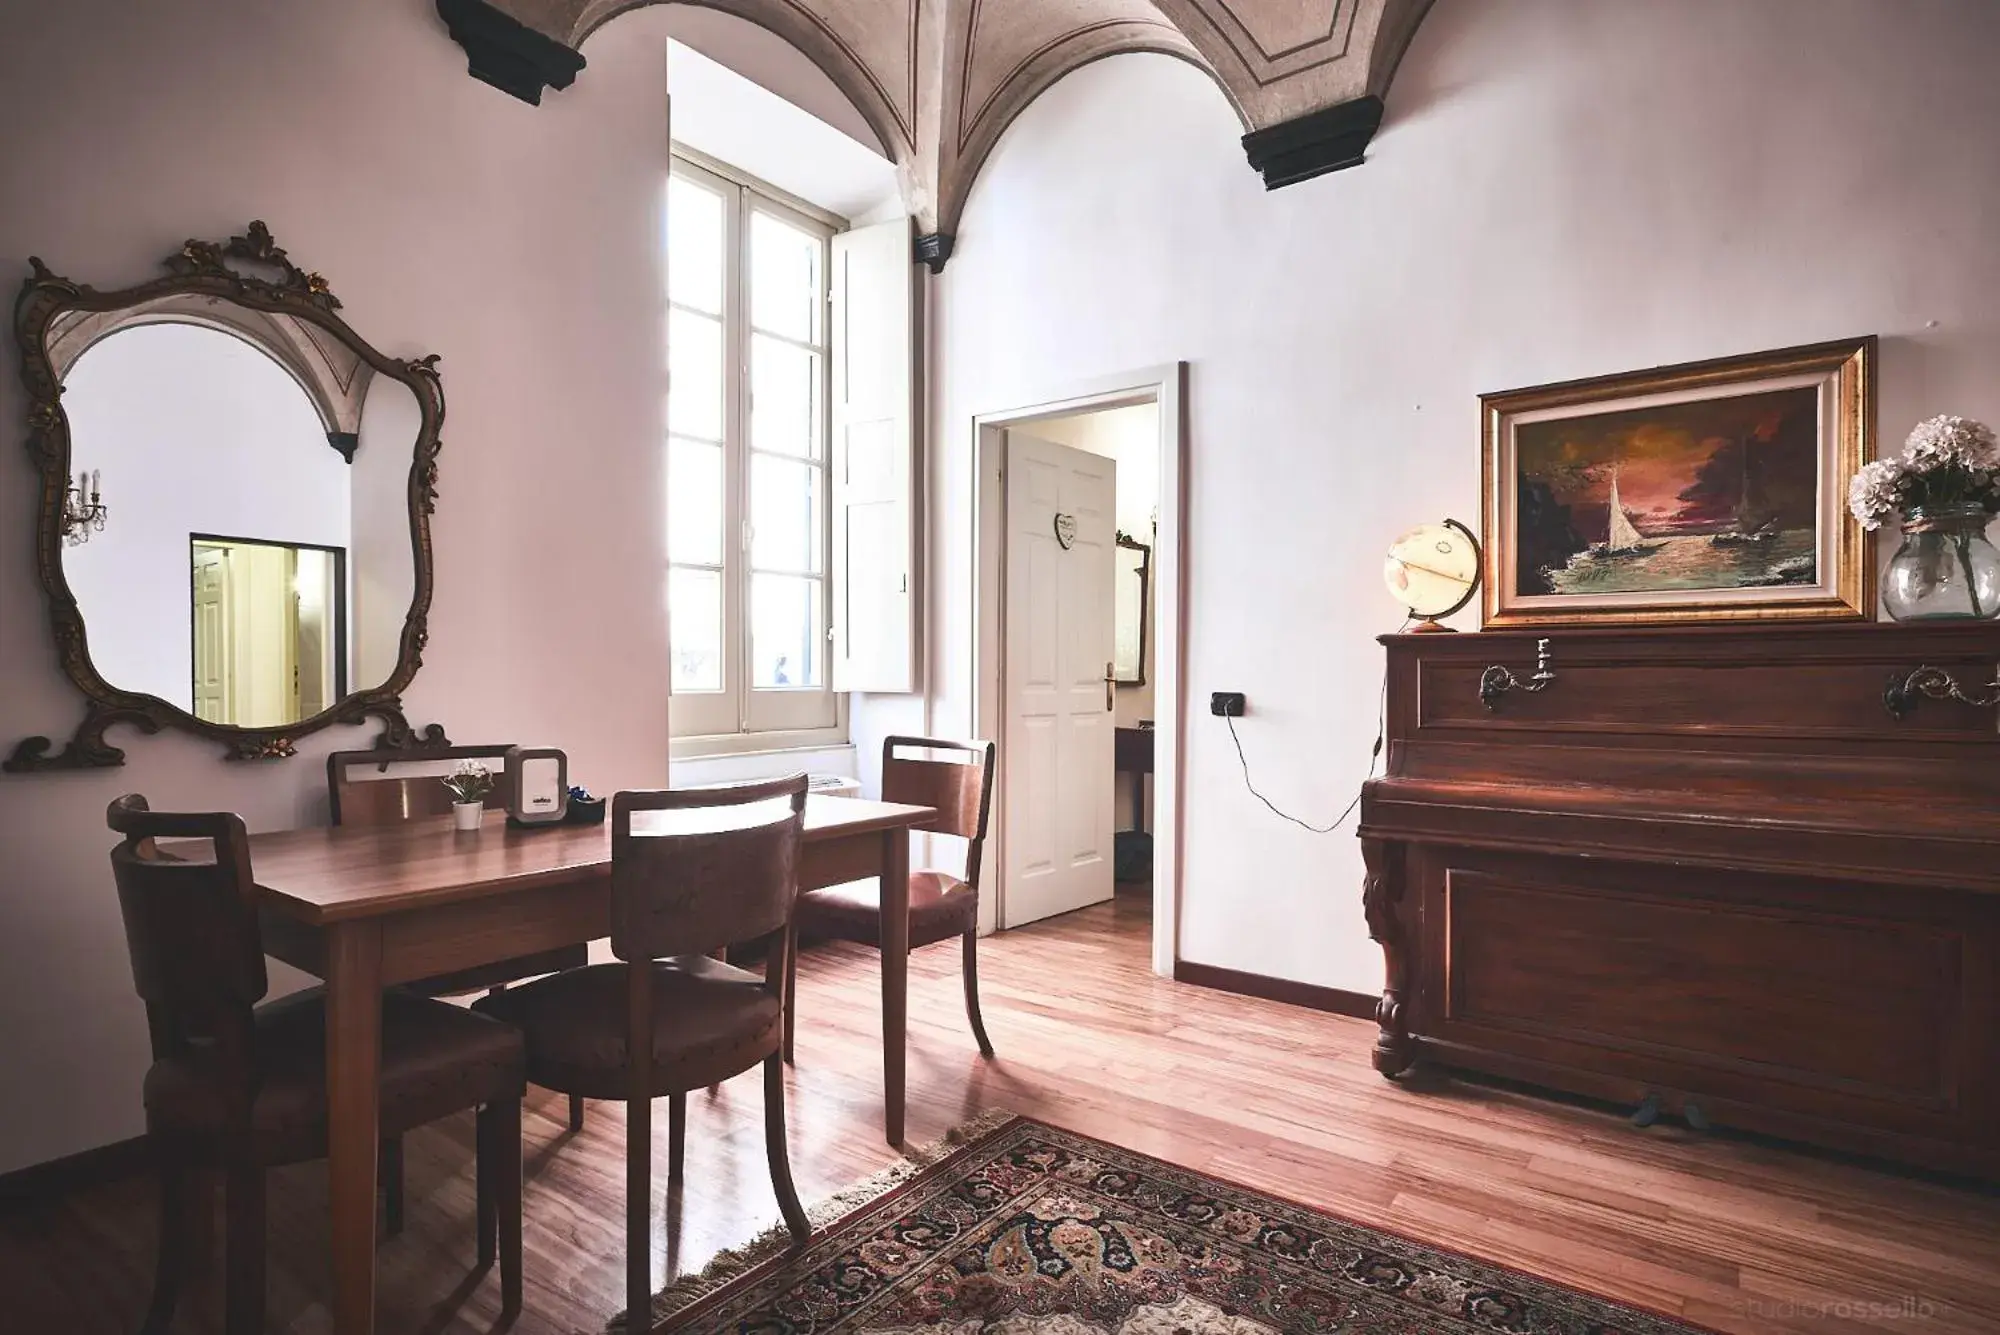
1751 869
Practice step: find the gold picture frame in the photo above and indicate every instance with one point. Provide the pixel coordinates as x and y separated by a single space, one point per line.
1733 504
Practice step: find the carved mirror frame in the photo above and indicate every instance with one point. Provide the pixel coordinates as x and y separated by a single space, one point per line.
228 271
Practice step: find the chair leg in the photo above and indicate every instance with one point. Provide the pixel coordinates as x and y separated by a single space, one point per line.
972 993
172 1262
638 1211
791 990
392 1184
486 1209
677 1138
500 1169
576 1112
774 1150
243 1204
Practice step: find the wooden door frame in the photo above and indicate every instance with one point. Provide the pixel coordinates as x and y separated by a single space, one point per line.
1165 386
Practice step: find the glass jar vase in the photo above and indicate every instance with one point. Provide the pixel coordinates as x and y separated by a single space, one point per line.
1945 570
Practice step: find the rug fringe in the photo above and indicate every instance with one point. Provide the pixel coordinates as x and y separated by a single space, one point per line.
731 1262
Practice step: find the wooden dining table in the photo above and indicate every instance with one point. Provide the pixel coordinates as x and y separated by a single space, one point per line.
367 907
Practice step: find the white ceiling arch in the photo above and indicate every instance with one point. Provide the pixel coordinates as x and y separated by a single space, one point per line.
939 81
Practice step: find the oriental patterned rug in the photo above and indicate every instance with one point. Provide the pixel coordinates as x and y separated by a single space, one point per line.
1022 1229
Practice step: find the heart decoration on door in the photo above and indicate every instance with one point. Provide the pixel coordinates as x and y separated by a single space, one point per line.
1065 531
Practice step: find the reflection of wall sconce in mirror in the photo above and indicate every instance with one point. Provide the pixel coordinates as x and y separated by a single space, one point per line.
84 510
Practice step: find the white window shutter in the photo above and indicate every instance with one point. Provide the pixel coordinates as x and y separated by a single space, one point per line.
874 437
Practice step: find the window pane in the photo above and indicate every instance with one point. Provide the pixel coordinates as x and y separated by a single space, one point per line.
784 278
784 398
694 608
694 245
694 502
786 636
694 375
784 514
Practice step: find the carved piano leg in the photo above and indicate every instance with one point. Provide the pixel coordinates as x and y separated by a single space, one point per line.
1381 901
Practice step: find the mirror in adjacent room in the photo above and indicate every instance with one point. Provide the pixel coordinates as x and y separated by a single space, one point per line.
236 499
1131 574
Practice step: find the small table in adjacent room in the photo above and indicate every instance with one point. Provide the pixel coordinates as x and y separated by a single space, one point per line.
1133 754
367 907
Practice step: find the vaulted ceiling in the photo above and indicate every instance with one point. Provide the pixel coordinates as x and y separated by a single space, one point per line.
939 80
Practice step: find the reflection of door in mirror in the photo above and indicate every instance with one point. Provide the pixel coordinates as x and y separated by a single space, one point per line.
270 636
251 571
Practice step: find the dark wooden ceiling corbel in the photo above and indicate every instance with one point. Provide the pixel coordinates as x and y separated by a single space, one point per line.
933 249
1314 144
503 51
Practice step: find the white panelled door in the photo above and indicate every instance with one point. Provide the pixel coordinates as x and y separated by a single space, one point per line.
1057 752
212 649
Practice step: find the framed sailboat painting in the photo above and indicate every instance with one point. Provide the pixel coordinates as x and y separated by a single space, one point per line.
1710 491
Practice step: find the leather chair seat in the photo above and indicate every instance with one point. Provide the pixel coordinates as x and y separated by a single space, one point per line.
711 1020
436 1059
941 907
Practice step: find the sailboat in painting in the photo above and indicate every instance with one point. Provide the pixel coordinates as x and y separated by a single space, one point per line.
1624 538
1756 524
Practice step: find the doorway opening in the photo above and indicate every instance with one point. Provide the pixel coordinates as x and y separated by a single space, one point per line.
269 623
1077 589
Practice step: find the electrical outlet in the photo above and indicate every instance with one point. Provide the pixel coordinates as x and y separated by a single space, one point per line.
1226 704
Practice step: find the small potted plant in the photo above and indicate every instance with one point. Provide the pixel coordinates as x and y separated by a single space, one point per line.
469 782
1945 488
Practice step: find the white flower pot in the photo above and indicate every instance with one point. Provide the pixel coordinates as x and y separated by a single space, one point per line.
466 815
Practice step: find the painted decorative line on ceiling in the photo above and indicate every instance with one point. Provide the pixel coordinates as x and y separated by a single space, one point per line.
1264 78
1340 8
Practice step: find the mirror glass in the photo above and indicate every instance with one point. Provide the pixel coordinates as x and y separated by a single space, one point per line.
239 540
1128 642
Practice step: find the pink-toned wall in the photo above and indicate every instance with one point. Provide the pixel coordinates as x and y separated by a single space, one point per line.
1562 188
519 243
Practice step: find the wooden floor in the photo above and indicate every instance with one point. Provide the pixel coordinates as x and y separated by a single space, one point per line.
1732 1235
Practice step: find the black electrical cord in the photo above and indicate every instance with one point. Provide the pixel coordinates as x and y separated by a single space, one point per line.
1374 754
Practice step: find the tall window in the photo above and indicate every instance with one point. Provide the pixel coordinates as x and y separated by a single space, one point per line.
746 461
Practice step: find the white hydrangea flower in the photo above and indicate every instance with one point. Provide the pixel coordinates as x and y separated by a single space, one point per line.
1877 491
1944 440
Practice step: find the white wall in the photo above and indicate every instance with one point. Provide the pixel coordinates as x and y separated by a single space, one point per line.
518 242
737 120
195 431
1561 189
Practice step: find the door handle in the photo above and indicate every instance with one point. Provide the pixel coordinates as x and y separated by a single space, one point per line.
1110 680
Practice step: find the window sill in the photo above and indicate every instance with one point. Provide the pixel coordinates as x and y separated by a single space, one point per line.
755 758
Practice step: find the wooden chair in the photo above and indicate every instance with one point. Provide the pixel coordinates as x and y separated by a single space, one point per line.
670 1019
941 905
243 1087
386 800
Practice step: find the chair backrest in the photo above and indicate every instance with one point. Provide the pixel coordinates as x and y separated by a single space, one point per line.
959 785
695 870
360 789
191 928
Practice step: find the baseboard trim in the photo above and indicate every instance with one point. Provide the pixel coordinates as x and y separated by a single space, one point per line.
1337 1000
42 1182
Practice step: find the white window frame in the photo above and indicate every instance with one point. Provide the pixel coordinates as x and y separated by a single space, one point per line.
739 718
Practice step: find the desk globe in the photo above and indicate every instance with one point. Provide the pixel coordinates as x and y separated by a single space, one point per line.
1433 570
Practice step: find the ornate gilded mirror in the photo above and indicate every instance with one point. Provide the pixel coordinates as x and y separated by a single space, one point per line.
236 488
